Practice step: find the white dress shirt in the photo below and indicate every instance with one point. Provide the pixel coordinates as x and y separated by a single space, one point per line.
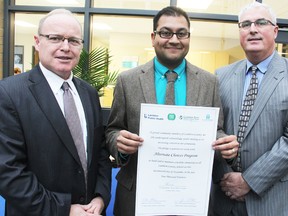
55 82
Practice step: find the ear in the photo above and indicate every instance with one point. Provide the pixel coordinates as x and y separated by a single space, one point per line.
276 31
153 35
37 42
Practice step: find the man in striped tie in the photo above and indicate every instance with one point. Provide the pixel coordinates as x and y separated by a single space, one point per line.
255 103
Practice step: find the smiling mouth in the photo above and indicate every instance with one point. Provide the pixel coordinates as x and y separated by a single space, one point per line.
175 48
64 58
254 39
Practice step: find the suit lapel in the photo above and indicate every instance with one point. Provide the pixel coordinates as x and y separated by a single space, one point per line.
271 79
47 102
237 88
147 82
87 106
193 85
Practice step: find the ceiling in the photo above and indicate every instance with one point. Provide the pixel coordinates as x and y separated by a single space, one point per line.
144 25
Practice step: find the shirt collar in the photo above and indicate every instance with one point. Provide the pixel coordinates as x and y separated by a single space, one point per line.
262 66
159 68
55 82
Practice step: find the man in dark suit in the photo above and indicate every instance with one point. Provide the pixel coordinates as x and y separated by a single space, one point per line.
257 185
146 84
41 172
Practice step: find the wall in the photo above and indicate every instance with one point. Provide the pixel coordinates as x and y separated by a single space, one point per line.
28 42
1 36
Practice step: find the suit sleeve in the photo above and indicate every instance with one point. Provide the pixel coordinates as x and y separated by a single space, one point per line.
217 103
117 121
103 182
18 185
220 166
270 167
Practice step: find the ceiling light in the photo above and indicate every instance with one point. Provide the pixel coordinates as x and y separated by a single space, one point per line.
194 4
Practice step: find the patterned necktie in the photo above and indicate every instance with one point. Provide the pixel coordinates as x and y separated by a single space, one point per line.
170 93
246 112
73 122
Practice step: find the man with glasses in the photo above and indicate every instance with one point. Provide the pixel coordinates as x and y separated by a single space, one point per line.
255 104
53 159
147 84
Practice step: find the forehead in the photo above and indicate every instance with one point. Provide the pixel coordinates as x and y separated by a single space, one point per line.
172 22
61 24
255 13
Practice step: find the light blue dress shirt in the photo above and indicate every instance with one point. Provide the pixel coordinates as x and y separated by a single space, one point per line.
261 70
161 82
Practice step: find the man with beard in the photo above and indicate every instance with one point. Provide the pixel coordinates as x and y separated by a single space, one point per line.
147 84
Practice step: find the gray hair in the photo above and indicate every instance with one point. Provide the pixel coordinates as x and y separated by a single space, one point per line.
255 5
55 12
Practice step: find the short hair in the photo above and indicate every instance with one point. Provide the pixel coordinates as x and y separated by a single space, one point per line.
55 12
169 11
255 5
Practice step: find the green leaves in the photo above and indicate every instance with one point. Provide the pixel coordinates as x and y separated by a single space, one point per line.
93 67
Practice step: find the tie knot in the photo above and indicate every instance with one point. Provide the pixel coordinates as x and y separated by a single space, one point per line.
65 86
171 76
253 69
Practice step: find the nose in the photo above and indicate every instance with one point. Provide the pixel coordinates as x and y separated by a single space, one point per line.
253 27
65 44
174 38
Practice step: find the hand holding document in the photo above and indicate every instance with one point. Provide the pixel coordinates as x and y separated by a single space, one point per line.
175 160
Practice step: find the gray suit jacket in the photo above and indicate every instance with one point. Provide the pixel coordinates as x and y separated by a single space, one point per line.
137 86
265 146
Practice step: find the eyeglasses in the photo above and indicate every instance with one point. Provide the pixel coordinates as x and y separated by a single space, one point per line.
57 39
259 23
168 34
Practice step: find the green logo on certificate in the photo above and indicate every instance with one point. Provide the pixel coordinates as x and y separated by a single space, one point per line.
171 116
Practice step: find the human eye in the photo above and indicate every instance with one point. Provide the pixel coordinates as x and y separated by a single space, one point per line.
261 22
74 41
245 24
182 34
55 38
166 34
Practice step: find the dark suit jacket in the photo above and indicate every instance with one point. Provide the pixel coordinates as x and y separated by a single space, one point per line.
41 173
137 86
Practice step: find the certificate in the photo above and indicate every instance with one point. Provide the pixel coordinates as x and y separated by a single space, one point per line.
175 160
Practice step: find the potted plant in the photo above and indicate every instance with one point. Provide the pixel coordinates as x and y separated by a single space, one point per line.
93 68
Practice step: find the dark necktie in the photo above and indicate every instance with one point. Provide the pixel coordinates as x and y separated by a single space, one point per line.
170 93
245 113
73 122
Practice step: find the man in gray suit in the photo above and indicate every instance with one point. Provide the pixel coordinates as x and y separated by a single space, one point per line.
260 189
146 84
41 170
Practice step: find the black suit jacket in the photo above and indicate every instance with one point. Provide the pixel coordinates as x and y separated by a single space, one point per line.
40 170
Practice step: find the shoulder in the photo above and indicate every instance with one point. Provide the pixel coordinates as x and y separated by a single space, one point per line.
226 70
137 71
16 82
82 84
199 72
279 61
